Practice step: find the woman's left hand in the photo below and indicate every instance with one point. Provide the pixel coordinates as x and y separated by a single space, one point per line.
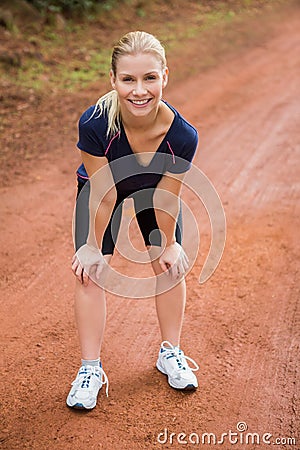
174 261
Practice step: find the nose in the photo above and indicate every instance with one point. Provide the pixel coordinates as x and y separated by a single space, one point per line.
139 89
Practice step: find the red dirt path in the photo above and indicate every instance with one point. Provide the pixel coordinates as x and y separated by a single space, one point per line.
242 326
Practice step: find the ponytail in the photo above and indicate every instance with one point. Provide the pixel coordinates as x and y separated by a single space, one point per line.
109 103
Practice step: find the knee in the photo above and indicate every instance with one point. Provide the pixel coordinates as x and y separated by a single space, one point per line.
90 288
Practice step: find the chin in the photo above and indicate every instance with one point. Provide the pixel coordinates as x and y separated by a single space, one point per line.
142 111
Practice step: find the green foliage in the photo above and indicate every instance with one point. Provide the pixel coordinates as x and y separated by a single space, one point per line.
71 6
70 58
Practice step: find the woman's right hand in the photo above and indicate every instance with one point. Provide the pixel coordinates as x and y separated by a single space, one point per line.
87 260
174 261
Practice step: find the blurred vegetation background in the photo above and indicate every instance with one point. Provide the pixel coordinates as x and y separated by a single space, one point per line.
55 54
71 7
66 44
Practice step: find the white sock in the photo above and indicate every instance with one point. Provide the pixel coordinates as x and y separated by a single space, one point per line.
90 362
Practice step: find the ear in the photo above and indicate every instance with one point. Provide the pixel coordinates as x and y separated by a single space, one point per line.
112 78
165 76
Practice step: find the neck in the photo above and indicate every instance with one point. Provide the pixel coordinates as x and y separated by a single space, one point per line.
139 123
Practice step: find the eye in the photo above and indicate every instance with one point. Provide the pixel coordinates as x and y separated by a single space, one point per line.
127 79
151 77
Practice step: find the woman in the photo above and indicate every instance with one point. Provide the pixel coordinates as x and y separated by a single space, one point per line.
156 145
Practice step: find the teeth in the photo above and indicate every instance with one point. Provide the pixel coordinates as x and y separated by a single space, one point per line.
139 102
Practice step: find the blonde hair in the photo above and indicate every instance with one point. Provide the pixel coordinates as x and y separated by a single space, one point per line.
131 43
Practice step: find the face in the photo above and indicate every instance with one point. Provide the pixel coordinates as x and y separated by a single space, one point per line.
139 82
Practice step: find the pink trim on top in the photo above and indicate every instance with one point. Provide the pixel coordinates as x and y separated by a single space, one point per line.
170 148
110 142
81 176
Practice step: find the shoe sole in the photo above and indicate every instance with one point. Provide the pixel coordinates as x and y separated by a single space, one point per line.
81 407
187 388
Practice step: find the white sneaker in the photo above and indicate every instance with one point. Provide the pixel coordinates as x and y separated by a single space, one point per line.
86 386
173 363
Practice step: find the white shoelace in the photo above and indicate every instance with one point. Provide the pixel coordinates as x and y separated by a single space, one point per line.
83 380
172 351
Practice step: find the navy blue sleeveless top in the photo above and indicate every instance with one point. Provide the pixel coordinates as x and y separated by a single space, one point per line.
174 154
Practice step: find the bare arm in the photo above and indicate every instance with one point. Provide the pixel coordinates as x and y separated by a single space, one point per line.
102 196
166 202
89 259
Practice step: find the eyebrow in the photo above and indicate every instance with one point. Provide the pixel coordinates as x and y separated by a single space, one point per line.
130 75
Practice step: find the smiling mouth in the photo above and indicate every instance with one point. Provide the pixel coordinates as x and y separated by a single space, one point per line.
140 102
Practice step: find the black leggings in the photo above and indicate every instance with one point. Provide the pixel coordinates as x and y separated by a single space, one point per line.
145 215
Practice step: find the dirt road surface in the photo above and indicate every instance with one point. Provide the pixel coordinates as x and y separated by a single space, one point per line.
242 326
